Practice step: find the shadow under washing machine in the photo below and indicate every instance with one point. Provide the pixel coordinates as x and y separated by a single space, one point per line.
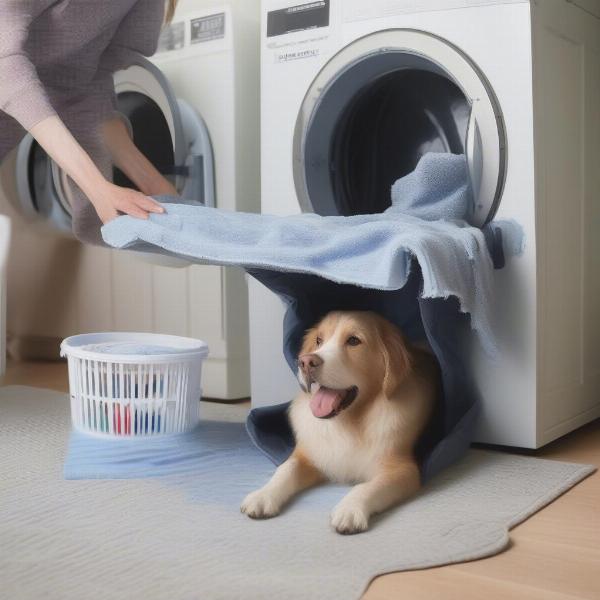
194 112
355 93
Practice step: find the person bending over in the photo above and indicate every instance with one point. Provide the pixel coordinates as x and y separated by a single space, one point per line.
57 59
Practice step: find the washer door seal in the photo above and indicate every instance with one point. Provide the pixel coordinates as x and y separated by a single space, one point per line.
167 130
433 95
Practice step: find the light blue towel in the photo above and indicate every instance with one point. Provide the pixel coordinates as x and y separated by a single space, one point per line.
438 189
370 251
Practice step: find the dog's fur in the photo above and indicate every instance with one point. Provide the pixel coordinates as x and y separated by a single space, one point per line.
388 389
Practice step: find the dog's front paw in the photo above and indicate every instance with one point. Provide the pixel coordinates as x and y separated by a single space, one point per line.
349 517
260 505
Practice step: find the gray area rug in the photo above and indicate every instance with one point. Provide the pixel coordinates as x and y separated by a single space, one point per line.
176 539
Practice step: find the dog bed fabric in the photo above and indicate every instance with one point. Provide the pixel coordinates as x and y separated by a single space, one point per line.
430 274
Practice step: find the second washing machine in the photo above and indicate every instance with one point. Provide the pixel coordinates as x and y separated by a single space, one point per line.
194 112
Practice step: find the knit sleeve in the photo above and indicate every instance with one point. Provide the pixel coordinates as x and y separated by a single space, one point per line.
22 95
137 34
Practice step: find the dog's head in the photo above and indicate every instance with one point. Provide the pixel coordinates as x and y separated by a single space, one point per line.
350 358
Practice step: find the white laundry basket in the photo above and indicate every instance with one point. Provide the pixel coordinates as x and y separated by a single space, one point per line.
134 385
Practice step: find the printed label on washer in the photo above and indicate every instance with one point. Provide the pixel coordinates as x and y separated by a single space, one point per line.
287 56
301 17
206 29
172 37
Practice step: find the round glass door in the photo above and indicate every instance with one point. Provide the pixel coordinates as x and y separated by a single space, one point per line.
145 99
377 107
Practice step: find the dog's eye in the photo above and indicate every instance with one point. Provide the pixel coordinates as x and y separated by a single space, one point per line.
353 341
319 341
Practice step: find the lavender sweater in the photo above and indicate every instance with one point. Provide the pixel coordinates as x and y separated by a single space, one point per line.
58 53
58 57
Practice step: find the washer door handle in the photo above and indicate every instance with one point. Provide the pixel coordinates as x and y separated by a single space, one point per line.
199 182
474 151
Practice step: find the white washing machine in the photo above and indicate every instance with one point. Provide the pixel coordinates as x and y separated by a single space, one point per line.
4 248
354 93
194 111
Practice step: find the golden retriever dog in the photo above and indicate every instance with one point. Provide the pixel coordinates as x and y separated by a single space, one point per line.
367 397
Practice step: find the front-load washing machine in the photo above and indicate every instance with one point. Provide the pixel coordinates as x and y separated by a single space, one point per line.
194 112
354 93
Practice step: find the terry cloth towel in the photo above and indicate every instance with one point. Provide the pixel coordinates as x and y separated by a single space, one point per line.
429 277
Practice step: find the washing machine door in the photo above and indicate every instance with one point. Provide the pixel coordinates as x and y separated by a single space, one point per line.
170 133
167 130
378 106
43 191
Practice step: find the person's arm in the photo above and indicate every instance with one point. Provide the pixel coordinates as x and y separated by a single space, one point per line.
137 33
108 199
132 162
22 95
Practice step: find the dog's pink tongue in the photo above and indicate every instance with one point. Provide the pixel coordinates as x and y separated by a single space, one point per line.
324 402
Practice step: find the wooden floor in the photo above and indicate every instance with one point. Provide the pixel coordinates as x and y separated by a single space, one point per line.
555 555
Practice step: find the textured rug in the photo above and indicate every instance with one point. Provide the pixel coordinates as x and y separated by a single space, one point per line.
183 537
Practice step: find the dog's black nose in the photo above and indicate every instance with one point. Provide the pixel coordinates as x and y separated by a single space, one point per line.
310 361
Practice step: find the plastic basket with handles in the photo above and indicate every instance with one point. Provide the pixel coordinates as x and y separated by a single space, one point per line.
134 385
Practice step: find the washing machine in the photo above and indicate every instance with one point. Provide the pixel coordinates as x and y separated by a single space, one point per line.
354 93
193 110
4 247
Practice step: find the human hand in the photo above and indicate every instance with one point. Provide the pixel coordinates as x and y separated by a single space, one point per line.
110 200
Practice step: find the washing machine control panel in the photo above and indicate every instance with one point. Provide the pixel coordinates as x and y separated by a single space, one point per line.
196 32
300 17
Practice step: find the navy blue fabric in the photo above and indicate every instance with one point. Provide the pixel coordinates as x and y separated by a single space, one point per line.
437 320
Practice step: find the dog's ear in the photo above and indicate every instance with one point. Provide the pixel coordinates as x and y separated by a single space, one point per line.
397 360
